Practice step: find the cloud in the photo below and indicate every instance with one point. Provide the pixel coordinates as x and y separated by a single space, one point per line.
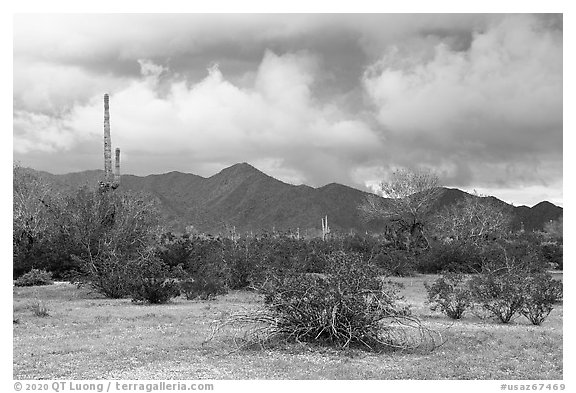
41 132
109 45
216 121
498 102
308 98
51 88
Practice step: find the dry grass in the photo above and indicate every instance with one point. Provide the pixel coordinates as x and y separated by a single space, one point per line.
89 337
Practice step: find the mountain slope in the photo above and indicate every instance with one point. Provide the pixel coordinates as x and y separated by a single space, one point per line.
243 197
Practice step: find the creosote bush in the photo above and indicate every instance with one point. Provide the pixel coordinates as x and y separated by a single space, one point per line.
107 274
155 290
541 292
500 294
39 309
352 305
206 288
451 294
34 277
399 263
504 294
153 281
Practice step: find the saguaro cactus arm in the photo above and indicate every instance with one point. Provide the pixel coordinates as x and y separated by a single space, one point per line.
117 169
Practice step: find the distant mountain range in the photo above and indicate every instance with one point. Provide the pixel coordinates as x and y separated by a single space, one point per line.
244 198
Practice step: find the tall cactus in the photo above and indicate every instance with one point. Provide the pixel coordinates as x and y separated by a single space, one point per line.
107 143
110 181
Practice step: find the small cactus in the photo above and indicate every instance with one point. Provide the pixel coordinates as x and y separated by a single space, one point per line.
325 228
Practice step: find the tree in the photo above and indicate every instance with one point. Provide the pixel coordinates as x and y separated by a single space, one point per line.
472 219
37 226
409 196
114 230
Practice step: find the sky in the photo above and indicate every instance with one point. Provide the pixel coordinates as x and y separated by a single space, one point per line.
306 98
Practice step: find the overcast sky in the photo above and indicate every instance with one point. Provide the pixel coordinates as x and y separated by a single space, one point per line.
310 99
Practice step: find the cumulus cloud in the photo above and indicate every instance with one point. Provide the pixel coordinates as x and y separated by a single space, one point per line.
498 103
41 132
307 98
50 88
216 121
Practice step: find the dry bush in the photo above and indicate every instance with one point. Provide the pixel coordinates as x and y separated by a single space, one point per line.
34 277
39 308
541 292
500 294
451 294
350 306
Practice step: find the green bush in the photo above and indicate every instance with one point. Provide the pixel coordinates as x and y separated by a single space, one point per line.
451 294
541 292
34 277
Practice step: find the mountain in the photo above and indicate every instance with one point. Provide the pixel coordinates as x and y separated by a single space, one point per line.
247 199
530 218
537 216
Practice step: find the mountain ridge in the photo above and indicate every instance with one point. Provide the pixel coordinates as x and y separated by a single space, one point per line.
247 199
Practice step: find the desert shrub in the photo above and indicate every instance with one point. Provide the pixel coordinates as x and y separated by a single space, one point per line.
453 256
34 277
501 294
174 250
242 260
553 253
39 309
154 290
112 230
451 294
541 292
394 262
311 255
40 235
363 245
203 288
350 306
107 274
150 280
519 252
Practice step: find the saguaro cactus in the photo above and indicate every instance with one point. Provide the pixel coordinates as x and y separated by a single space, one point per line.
325 228
107 143
110 181
117 169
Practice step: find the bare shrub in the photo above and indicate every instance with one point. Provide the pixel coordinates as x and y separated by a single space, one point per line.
34 277
500 294
350 306
541 292
113 230
451 294
203 288
39 309
151 280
